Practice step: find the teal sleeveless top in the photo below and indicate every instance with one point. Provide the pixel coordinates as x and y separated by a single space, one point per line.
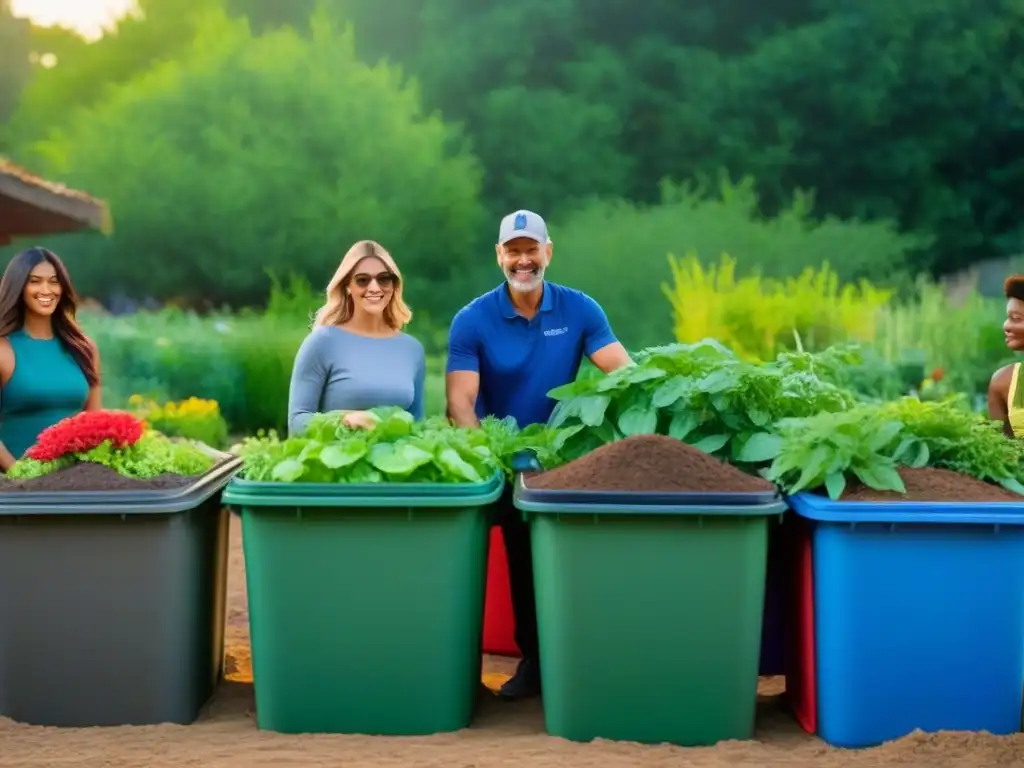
47 385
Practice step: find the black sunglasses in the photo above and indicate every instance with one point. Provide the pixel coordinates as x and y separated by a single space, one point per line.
384 280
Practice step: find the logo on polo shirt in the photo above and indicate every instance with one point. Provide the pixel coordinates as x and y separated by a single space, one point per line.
556 331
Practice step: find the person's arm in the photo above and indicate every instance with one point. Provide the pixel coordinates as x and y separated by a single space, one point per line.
998 398
95 400
599 342
462 374
418 407
7 459
6 370
309 377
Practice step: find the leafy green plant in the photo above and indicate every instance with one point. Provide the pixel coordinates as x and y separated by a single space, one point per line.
953 436
702 394
872 441
397 449
506 440
826 449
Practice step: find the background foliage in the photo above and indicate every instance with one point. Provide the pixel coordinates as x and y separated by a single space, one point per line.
240 141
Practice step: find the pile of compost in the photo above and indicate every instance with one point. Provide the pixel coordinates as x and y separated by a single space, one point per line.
936 485
648 464
86 476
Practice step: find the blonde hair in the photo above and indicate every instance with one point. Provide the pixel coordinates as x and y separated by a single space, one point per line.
339 306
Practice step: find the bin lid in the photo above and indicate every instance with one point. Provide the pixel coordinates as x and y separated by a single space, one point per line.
814 506
122 502
249 493
558 502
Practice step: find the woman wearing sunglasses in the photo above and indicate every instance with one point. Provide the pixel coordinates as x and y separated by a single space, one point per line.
357 357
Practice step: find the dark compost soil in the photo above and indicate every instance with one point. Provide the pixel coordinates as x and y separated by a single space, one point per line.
931 484
86 476
651 464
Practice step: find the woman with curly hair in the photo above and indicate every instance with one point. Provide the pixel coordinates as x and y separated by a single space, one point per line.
357 357
49 368
1005 393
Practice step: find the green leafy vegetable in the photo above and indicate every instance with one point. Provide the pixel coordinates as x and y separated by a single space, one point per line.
828 448
948 434
872 441
703 395
504 440
397 449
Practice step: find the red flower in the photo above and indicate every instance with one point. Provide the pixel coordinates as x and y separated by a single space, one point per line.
937 375
84 431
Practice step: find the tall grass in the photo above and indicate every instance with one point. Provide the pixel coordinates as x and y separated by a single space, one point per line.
964 339
904 340
758 317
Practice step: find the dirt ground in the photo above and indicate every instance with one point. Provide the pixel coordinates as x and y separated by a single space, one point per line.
503 735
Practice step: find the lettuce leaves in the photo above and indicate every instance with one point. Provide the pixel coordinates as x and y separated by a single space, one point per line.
398 449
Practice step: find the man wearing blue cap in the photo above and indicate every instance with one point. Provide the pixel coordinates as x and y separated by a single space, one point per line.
506 350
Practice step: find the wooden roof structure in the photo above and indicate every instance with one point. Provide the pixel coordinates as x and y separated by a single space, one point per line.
31 206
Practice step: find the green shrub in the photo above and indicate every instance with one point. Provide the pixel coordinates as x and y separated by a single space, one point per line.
618 252
243 364
246 154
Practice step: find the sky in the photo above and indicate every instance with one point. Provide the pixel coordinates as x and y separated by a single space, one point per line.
89 17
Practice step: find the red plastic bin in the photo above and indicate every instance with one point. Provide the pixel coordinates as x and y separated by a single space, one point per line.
802 682
499 623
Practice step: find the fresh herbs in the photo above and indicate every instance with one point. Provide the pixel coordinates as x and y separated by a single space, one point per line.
397 449
703 395
870 442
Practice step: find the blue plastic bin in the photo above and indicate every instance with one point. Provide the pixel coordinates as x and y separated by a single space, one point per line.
918 615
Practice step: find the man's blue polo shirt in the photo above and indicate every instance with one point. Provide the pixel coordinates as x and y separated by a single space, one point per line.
520 360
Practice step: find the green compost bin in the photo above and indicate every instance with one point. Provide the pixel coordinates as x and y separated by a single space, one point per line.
365 603
112 603
649 611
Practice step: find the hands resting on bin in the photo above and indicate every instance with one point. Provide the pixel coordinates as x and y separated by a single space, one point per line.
359 420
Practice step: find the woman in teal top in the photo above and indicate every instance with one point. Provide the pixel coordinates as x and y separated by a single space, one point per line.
49 368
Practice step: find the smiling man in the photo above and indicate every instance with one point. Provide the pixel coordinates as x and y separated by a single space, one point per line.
506 350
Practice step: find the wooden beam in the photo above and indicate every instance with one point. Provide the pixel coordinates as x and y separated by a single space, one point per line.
54 208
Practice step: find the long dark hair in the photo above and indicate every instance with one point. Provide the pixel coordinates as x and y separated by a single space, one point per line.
65 326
